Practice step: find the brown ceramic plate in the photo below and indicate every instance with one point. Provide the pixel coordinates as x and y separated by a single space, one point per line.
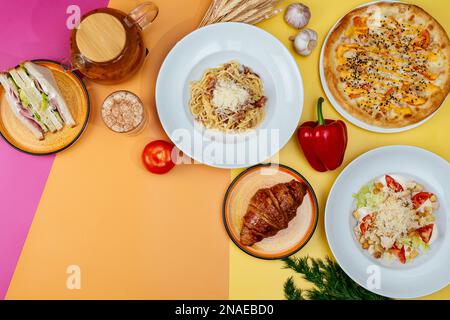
286 242
77 99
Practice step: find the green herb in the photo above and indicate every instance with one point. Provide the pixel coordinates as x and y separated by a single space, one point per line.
23 98
331 282
291 292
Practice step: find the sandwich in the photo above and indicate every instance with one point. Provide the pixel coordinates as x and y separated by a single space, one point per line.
32 93
46 83
21 108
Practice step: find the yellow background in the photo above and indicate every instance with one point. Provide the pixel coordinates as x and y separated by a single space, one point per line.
140 236
255 279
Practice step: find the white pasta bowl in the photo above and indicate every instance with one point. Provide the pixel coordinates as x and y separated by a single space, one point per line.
209 47
429 271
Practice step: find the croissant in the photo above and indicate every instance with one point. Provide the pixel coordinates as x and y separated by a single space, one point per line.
270 210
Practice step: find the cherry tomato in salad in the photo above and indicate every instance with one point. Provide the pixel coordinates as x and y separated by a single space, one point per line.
157 156
365 223
419 198
392 184
425 232
400 253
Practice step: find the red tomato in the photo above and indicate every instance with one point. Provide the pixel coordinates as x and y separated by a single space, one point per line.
157 156
363 228
366 221
425 232
400 253
420 198
392 184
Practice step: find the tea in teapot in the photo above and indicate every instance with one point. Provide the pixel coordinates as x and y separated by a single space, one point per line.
108 45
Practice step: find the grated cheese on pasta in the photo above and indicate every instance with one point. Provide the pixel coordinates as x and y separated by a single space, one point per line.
228 96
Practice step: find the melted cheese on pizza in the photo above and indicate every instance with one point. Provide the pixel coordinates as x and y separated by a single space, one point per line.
389 66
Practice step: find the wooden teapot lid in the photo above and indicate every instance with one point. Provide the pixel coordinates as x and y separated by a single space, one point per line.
101 37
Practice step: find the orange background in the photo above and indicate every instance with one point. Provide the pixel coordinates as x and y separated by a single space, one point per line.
134 235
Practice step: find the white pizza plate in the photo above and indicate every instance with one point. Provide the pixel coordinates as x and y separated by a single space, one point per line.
210 47
340 109
429 271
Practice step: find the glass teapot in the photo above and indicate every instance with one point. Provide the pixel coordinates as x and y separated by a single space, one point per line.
108 45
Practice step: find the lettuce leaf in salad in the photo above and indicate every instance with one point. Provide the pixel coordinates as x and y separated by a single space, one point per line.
415 243
365 197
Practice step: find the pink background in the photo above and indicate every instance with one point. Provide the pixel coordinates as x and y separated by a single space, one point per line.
26 34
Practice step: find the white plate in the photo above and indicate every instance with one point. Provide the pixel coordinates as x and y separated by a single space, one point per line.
212 46
425 274
341 110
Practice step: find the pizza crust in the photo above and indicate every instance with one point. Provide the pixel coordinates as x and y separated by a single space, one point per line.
332 76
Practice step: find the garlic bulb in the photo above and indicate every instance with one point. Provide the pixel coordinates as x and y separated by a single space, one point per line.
305 41
297 15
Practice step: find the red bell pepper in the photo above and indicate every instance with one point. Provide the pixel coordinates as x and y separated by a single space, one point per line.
323 142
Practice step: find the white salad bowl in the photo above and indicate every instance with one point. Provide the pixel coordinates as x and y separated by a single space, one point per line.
427 273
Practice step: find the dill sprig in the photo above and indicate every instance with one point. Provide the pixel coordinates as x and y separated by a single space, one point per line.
330 281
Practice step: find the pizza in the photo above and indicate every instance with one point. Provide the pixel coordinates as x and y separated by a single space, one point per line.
387 64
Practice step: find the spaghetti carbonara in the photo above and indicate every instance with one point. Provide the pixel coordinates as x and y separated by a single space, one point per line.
228 98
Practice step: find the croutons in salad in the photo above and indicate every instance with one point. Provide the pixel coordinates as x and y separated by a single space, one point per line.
395 218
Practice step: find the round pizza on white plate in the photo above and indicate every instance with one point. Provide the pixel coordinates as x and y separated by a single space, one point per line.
387 64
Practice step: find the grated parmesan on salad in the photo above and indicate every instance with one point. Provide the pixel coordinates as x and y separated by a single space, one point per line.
395 218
